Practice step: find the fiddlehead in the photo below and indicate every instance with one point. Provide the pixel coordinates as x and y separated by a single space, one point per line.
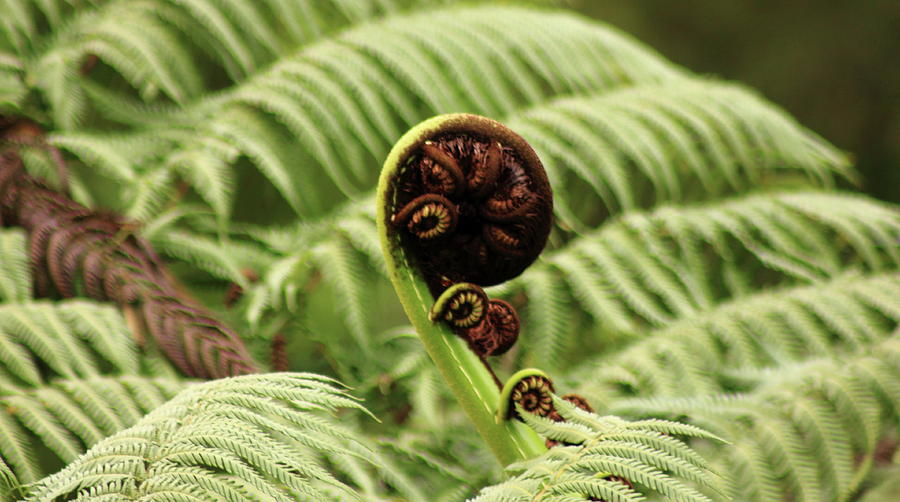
491 327
428 217
472 201
462 305
531 389
464 203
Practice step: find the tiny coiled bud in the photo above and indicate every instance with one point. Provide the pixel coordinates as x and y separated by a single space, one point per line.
531 389
462 305
428 217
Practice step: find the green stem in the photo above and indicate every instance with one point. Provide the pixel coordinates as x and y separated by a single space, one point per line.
463 371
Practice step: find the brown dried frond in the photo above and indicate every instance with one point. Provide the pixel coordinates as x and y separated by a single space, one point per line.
76 250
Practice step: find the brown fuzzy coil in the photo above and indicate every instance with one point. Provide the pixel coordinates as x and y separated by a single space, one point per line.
472 203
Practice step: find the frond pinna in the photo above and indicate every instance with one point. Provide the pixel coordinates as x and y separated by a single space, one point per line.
255 435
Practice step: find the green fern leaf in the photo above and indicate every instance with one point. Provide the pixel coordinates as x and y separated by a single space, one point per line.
237 437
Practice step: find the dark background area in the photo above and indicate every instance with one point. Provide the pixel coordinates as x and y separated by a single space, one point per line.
834 65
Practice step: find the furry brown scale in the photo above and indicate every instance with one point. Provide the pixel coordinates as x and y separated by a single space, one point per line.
498 332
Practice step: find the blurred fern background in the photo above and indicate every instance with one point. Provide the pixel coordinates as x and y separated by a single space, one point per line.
828 63
713 261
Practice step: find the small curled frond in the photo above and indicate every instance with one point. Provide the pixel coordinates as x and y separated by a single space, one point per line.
428 217
463 305
530 390
490 326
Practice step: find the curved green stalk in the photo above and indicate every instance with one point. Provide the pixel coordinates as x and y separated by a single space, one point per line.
463 371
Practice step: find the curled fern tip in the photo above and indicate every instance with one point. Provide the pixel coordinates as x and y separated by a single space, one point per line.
471 201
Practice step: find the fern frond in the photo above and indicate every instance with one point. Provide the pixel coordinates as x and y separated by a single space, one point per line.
223 259
68 416
325 95
683 140
8 483
547 330
237 437
12 88
147 42
695 355
606 451
15 279
806 431
673 262
71 339
341 267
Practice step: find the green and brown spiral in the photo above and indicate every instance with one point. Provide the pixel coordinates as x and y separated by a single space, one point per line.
490 327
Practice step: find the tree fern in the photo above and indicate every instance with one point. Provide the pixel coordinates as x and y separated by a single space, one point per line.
706 262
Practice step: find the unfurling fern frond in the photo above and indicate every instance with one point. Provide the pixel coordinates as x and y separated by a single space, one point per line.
232 439
806 431
607 458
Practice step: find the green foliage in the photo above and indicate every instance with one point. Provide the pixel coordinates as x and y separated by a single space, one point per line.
808 430
232 439
605 450
71 373
708 263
